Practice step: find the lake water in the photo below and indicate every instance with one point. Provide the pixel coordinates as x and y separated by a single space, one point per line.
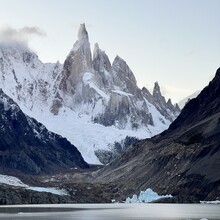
111 212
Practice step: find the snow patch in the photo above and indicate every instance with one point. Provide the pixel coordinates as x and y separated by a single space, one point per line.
14 181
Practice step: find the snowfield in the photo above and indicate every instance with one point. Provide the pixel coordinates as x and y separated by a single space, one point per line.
14 181
86 135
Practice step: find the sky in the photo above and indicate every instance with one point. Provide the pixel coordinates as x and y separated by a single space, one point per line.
174 42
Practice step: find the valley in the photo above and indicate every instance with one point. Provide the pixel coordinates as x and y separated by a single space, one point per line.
85 128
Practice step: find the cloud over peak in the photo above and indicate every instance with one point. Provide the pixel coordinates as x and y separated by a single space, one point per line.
22 36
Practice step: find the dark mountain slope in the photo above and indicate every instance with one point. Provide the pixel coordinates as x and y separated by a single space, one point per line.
205 105
26 146
183 161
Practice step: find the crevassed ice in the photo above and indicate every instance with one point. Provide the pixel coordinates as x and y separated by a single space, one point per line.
146 196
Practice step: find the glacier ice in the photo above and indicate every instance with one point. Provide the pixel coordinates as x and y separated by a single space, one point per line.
146 196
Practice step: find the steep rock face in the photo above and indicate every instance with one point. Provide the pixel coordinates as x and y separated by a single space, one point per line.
102 67
26 146
100 60
126 105
107 93
184 160
123 76
123 110
158 96
77 62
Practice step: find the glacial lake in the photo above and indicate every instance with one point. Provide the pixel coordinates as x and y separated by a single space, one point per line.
111 212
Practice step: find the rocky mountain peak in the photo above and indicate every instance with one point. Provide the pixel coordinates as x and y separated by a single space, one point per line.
96 49
169 104
156 90
17 52
177 108
82 33
77 62
84 87
100 61
159 98
165 108
123 76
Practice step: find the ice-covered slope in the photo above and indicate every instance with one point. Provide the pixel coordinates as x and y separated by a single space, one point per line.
88 136
25 78
88 100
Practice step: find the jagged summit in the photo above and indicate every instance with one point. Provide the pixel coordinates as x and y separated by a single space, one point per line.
77 63
158 95
82 33
122 72
86 92
96 49
156 90
100 61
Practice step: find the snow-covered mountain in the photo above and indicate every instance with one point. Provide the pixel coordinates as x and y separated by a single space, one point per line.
88 100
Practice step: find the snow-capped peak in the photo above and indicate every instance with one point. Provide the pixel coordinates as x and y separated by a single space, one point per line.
88 92
17 52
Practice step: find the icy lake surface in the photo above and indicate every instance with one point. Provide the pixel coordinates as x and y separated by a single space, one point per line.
112 212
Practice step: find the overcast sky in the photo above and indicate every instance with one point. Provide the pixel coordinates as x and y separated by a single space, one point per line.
174 42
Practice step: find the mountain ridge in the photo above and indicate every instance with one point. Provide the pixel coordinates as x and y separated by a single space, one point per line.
88 88
27 147
183 160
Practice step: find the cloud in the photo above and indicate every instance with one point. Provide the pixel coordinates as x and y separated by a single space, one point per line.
173 89
9 35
